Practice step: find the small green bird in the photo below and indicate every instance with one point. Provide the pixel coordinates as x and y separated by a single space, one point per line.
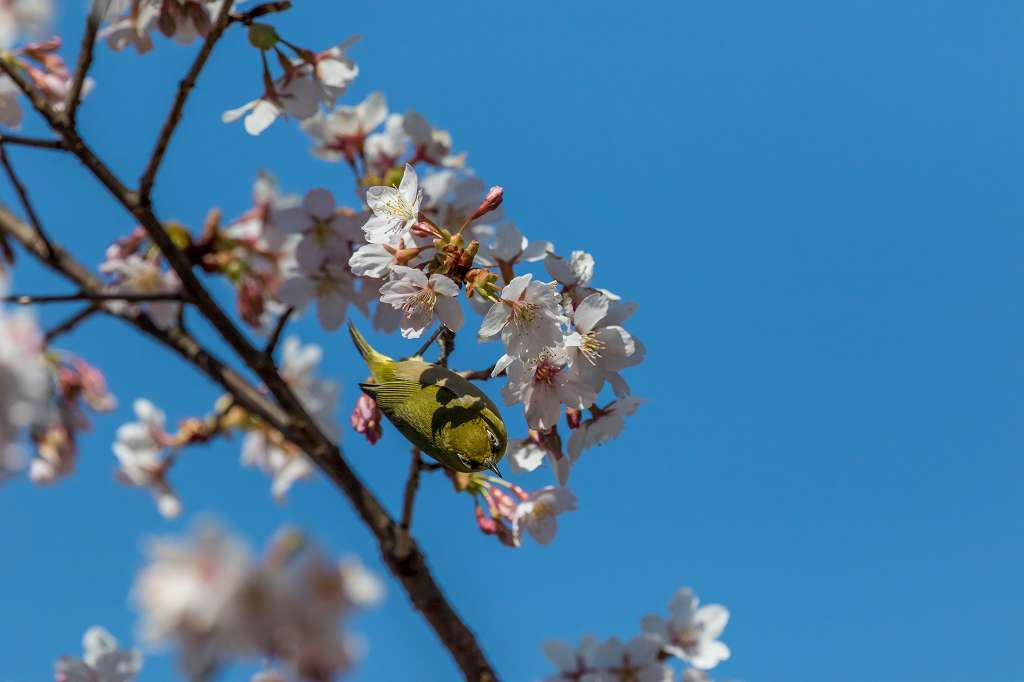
441 413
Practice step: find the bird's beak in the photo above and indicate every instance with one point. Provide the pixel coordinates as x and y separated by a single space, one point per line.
494 468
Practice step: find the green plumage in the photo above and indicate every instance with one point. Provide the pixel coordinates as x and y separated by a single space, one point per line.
442 414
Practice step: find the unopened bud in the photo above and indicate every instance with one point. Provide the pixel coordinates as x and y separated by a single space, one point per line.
366 418
493 200
424 229
262 36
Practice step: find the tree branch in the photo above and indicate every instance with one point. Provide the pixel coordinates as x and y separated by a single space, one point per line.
19 188
184 88
95 296
85 55
70 323
37 142
426 344
275 336
477 374
410 489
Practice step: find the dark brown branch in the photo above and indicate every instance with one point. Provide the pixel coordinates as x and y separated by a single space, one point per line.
410 489
98 296
275 336
37 142
260 11
19 188
447 344
184 88
426 344
85 55
71 322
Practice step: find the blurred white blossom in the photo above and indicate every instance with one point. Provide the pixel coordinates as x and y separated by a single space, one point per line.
103 660
691 631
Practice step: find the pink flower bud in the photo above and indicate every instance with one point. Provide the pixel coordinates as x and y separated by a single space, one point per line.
493 200
366 418
94 387
424 229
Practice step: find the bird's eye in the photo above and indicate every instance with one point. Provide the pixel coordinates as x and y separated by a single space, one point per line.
494 439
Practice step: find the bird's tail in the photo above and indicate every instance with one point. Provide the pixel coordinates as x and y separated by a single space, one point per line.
374 360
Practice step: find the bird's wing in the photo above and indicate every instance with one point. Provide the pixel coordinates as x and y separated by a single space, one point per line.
390 394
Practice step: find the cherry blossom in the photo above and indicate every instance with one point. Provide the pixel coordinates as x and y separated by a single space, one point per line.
524 456
636 661
574 664
326 232
342 133
103 660
383 149
432 145
538 513
506 246
577 271
138 275
543 384
271 454
528 316
23 17
600 349
332 287
605 424
333 70
298 96
132 29
421 298
139 449
366 418
691 632
24 379
395 211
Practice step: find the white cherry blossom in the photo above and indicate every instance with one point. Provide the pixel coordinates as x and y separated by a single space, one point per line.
298 97
528 316
137 275
691 631
506 246
383 149
284 464
103 660
19 18
605 425
326 232
543 384
432 145
599 348
578 270
421 298
636 661
395 211
139 449
342 133
574 664
332 287
524 456
539 511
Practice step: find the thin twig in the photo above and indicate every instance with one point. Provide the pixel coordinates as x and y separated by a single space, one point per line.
96 296
37 142
71 322
275 336
19 187
85 55
477 374
411 486
426 344
184 88
447 344
261 10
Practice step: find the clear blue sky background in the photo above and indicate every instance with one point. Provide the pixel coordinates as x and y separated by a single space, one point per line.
818 206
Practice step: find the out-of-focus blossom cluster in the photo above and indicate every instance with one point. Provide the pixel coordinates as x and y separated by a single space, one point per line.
130 22
44 68
689 634
209 597
146 451
103 660
43 393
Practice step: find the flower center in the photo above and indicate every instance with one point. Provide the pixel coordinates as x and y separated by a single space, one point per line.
397 207
424 300
546 371
523 313
591 347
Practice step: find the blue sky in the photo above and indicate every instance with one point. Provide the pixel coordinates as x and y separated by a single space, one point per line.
817 206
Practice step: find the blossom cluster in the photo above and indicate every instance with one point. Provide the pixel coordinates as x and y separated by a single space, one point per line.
146 451
210 598
690 634
44 393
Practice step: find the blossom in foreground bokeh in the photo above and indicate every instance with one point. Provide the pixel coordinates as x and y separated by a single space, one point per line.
103 660
210 598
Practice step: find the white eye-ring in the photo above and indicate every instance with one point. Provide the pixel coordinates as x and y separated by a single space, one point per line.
494 439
